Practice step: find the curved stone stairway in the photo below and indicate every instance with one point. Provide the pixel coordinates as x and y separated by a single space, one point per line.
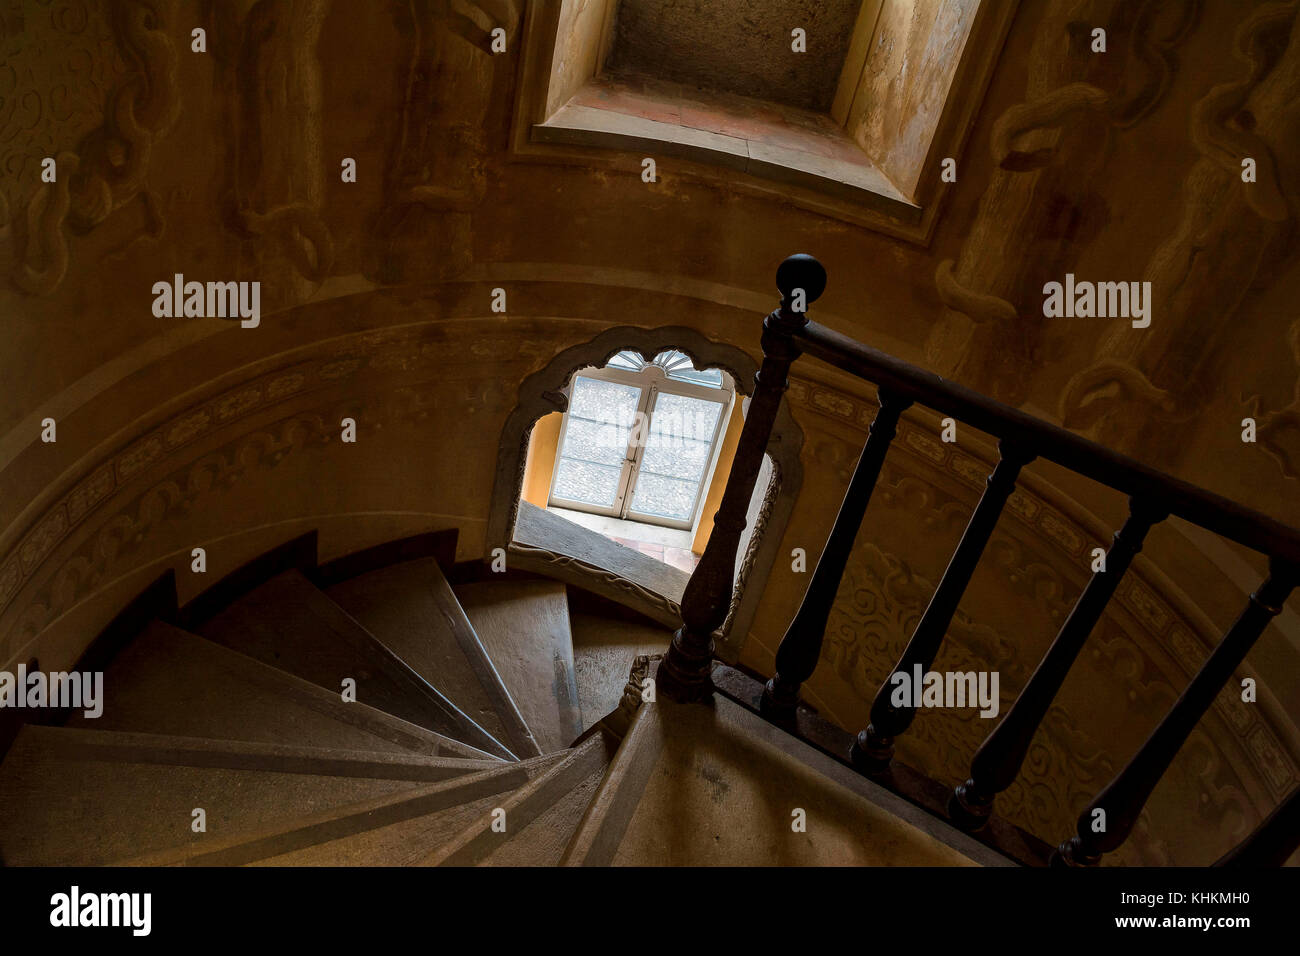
476 736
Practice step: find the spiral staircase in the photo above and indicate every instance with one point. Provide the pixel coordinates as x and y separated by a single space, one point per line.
371 712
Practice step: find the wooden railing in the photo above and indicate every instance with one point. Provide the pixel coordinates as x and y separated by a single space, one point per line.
1153 496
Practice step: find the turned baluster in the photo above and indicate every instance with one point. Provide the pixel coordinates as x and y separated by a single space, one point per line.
873 750
999 759
1106 823
685 669
801 647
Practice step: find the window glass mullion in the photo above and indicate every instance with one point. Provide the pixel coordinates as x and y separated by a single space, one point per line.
635 451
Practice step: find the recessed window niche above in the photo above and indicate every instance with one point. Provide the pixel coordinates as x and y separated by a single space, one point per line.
857 125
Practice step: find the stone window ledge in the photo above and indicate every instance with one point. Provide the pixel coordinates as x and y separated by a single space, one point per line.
549 544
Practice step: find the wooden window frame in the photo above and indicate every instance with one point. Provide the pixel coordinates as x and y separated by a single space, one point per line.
652 381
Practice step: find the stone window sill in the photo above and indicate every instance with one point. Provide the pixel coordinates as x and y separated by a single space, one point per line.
546 543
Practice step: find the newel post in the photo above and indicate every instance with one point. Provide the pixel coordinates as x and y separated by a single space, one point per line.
685 671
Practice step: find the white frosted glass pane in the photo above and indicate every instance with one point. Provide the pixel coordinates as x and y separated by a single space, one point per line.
604 401
685 417
582 481
676 457
666 497
599 442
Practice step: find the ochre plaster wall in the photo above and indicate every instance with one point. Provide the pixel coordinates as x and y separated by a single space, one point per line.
377 303
540 467
726 453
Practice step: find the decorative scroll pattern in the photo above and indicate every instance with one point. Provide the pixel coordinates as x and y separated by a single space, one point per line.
983 339
386 352
1234 768
106 168
1143 380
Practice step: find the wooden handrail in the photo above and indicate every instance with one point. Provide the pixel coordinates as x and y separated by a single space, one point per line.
1153 496
1053 443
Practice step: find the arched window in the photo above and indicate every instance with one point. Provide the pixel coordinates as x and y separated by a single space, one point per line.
674 364
549 542
640 439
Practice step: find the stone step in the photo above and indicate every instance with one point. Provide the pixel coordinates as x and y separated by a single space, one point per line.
412 610
169 750
604 648
596 838
169 681
547 838
70 798
524 627
540 817
403 835
715 785
290 624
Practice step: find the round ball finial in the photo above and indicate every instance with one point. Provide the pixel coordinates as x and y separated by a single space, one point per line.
801 271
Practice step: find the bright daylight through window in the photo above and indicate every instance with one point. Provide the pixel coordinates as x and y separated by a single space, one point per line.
640 438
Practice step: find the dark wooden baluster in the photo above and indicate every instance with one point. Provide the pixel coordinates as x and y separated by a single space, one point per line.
685 669
998 761
1273 841
874 748
1125 796
801 648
